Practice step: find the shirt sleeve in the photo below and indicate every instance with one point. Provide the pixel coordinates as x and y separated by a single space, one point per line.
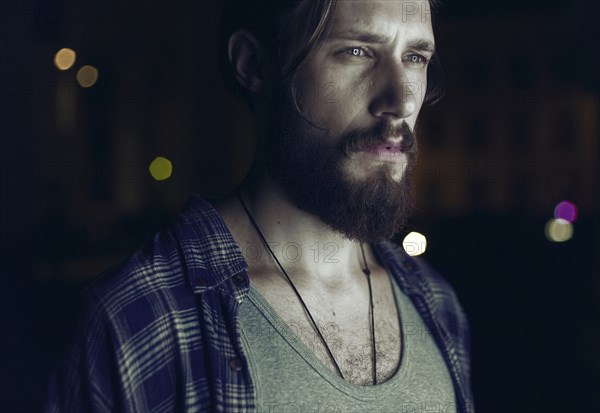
86 376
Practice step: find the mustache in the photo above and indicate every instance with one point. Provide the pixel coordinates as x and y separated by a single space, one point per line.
364 139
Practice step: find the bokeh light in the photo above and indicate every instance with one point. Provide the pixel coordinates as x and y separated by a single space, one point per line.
414 243
566 210
161 168
559 230
87 75
65 58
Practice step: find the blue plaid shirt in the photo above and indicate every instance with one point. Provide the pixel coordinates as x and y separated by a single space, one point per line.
159 334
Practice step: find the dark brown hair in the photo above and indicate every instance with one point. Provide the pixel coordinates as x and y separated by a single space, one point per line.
292 30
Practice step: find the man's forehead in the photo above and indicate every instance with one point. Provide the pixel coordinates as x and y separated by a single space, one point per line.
383 21
369 12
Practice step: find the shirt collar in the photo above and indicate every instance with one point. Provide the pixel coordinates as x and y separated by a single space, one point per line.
209 253
399 265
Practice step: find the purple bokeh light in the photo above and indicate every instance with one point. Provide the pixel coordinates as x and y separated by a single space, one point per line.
566 210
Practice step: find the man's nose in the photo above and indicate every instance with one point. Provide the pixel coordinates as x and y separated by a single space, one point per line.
396 96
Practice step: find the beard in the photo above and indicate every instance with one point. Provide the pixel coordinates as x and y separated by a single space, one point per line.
308 164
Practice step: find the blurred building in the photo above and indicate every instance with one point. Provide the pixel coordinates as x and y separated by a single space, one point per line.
516 131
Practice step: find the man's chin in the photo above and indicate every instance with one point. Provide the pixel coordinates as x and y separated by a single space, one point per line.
309 167
369 211
375 211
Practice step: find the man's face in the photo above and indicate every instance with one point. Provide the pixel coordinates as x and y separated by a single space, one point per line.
353 169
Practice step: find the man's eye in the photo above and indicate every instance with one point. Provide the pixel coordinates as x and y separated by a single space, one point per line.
417 60
356 51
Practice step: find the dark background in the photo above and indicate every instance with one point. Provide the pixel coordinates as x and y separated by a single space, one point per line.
516 133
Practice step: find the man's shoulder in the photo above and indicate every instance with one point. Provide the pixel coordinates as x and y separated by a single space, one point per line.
159 267
134 292
415 268
421 276
127 316
439 284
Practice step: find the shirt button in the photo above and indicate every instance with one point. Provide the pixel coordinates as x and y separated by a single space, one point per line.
200 281
239 279
235 364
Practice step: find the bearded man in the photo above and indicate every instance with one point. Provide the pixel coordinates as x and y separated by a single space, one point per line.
287 295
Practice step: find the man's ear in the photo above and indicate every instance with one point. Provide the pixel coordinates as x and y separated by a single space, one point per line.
249 60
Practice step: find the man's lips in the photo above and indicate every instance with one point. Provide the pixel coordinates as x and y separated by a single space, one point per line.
385 148
386 153
391 145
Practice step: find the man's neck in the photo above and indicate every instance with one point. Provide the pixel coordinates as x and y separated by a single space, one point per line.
310 252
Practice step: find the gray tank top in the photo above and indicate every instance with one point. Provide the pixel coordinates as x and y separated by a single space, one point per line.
289 378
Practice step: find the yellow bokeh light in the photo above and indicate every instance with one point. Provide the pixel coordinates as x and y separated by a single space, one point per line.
87 75
559 230
161 168
414 243
65 58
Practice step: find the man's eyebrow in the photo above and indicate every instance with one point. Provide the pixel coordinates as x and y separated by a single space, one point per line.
366 37
369 37
423 45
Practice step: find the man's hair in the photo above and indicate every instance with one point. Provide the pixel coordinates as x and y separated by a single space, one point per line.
293 31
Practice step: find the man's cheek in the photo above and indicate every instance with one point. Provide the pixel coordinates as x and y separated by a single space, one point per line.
355 97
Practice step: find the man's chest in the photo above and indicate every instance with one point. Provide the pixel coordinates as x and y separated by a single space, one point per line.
346 328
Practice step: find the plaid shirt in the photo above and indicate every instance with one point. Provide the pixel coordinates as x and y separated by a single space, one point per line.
158 333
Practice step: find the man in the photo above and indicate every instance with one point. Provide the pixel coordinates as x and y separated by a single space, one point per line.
287 295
